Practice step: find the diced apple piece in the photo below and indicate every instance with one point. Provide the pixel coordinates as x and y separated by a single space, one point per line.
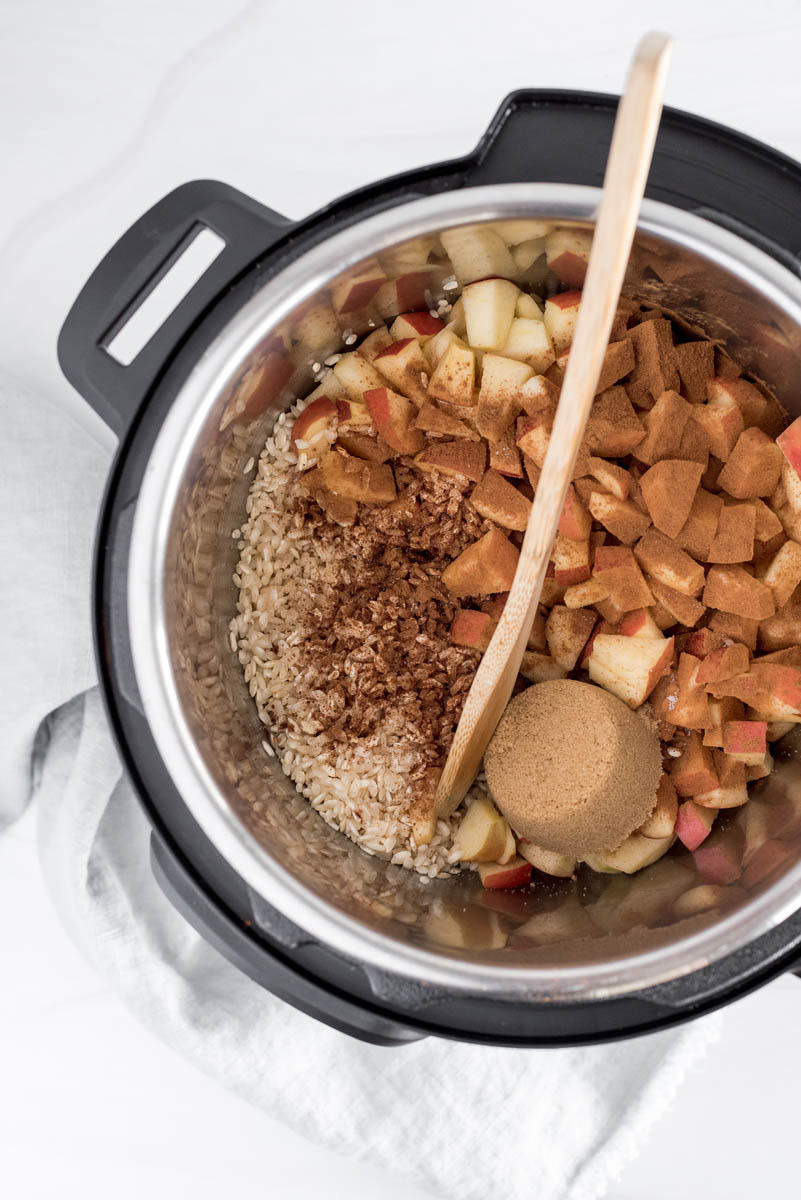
394 416
703 898
538 667
458 459
629 667
339 509
771 689
403 364
622 518
753 467
561 314
481 836
655 362
528 341
789 442
486 567
431 419
694 772
669 489
454 376
548 861
528 307
637 623
582 595
665 424
741 629
762 769
575 522
539 396
521 229
499 399
782 573
732 790
732 589
782 631
489 309
472 629
768 526
727 708
415 325
357 375
571 560
698 532
693 823
614 428
662 821
313 425
568 252
719 859
722 421
514 874
633 855
434 348
661 558
477 252
374 343
408 255
753 405
468 928
367 482
700 642
678 608
364 445
566 633
617 569
724 662
357 288
691 708
613 479
696 365
500 501
734 538
746 741
505 456
318 329
352 415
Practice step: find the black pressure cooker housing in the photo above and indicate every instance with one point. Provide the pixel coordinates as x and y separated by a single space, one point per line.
536 135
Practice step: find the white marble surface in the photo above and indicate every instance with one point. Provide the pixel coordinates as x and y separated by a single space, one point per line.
112 103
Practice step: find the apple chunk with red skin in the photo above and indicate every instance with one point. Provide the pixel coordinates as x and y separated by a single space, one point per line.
746 741
514 874
789 443
404 365
393 416
416 325
561 314
472 629
313 422
575 522
357 289
693 823
498 500
629 667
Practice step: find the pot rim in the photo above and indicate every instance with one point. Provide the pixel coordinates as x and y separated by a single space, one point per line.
169 459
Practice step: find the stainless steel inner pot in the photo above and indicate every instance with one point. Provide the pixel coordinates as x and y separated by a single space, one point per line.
592 938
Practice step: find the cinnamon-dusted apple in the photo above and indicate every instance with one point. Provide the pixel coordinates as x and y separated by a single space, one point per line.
575 522
454 375
459 458
694 772
357 375
621 517
664 426
499 396
393 416
753 468
613 429
734 537
404 366
698 531
630 668
782 573
660 557
733 590
561 314
571 560
367 482
746 741
500 501
566 634
505 458
681 609
722 422
472 629
668 489
617 569
431 419
486 567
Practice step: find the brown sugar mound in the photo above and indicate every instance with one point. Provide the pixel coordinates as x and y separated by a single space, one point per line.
572 768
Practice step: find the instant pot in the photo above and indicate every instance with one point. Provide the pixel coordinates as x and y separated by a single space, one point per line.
365 946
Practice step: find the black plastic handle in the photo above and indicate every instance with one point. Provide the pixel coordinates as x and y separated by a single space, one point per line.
265 964
131 270
698 165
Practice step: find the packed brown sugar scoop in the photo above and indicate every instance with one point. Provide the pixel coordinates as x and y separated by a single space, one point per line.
569 765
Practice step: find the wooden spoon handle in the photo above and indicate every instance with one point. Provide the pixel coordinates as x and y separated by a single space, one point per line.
627 169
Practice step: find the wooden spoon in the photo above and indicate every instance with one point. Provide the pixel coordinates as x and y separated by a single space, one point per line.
627 169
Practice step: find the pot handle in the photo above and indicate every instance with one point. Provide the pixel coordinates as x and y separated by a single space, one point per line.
248 950
132 269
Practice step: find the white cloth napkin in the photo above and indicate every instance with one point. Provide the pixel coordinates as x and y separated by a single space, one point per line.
461 1120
